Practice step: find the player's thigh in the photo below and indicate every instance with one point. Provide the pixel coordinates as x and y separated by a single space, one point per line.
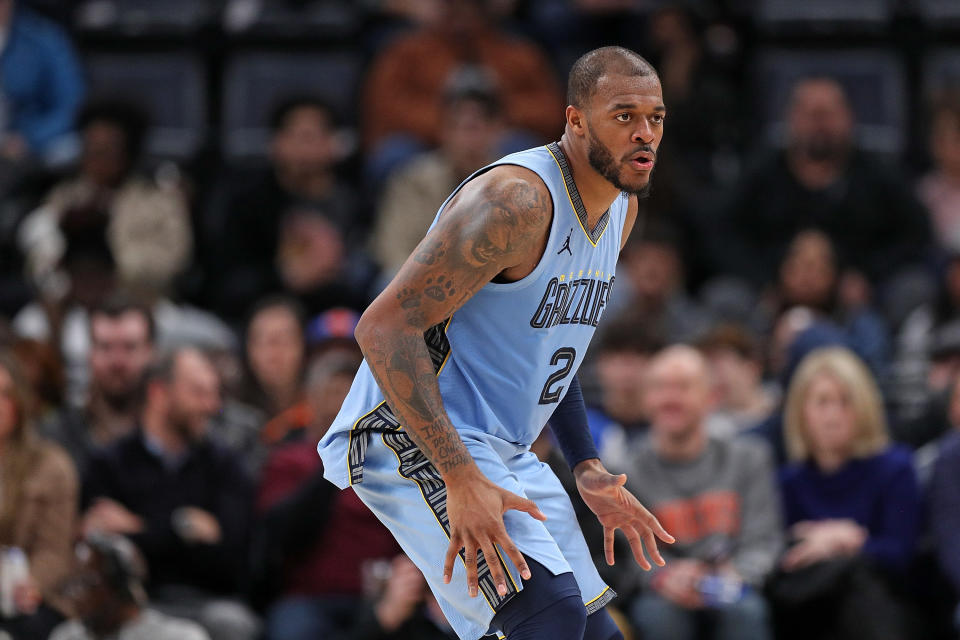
407 494
541 485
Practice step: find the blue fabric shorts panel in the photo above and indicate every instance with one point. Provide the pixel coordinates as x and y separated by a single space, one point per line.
406 494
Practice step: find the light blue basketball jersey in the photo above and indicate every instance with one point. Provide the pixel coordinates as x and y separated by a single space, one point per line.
506 358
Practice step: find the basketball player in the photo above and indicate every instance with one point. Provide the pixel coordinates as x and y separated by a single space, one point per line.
474 346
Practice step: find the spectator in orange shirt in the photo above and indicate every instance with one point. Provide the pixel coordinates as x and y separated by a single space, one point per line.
406 81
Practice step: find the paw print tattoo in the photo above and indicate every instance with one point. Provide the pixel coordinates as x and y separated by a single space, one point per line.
440 289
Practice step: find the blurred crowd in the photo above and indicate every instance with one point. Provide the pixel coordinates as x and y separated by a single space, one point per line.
778 374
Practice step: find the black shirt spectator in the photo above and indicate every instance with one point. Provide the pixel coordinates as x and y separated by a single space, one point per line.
137 474
246 226
184 501
822 181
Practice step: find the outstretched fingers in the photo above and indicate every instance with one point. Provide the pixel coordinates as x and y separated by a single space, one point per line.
453 550
495 567
651 522
513 501
515 556
470 562
608 534
636 545
650 542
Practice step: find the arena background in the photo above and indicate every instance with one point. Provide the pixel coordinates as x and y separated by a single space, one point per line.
254 171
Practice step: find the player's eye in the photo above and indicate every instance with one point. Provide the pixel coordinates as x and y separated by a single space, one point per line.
622 117
658 118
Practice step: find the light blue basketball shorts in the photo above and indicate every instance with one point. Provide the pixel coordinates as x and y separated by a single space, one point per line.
404 490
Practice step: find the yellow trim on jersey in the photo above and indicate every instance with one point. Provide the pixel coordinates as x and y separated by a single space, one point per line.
602 593
579 221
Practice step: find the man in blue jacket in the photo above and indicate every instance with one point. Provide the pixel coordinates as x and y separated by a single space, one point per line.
41 85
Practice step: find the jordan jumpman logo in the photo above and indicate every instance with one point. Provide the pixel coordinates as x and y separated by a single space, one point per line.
566 245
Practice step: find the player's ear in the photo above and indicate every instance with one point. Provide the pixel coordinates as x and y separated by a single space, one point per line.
575 119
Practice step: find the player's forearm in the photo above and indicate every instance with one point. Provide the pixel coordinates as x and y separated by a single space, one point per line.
401 364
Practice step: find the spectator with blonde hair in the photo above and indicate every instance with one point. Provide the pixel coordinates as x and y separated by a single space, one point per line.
851 505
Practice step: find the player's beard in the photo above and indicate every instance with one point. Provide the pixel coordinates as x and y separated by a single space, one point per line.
603 162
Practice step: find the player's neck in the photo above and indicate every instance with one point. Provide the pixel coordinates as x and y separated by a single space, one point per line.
596 192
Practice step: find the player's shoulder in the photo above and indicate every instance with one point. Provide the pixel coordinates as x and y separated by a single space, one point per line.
509 178
511 188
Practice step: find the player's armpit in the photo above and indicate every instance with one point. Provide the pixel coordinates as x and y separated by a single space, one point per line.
496 225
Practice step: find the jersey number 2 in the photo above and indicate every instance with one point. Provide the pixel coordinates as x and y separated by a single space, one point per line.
566 355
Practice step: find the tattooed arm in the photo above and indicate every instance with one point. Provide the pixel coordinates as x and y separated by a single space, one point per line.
495 227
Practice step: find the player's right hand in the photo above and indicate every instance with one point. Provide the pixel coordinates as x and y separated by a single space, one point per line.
475 507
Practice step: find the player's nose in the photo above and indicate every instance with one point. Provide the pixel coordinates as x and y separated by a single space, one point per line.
643 133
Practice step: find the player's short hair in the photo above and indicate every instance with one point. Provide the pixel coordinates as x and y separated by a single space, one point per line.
593 65
280 116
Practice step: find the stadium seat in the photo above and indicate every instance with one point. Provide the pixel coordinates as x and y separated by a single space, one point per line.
293 18
874 80
255 82
823 15
938 14
170 87
144 16
941 69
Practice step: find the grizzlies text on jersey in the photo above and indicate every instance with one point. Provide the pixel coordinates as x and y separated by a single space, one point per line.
506 357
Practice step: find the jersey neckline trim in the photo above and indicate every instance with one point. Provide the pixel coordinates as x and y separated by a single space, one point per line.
573 194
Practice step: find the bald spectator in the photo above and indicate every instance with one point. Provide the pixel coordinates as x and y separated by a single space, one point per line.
717 497
183 500
821 180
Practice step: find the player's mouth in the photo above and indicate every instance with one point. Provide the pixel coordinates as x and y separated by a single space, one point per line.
642 161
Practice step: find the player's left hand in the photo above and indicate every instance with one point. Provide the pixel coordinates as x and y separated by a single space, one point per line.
617 508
